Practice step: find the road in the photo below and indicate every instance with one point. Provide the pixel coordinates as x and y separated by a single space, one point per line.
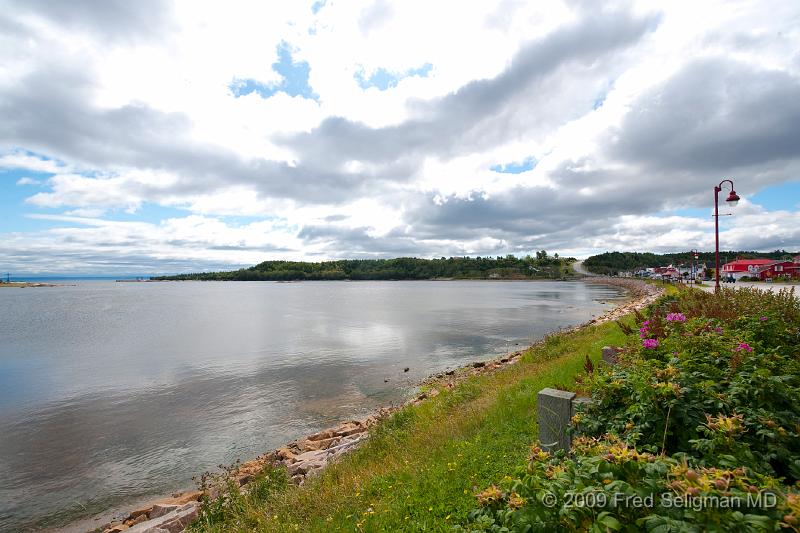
577 266
708 286
774 287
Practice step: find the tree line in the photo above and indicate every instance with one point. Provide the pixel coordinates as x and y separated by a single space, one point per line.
540 266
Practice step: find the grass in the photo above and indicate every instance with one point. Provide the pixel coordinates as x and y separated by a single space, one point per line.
421 468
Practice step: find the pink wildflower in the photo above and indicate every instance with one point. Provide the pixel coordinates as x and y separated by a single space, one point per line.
676 317
763 319
744 347
650 344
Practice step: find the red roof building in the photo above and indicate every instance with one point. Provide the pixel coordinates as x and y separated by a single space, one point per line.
779 269
744 267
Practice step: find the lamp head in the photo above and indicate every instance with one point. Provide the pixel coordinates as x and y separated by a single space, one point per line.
733 198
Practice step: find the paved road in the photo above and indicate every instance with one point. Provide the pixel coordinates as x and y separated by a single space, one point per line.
774 287
577 266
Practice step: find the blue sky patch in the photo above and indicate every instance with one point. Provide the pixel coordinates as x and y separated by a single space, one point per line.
785 196
599 101
13 208
529 163
316 6
294 82
383 79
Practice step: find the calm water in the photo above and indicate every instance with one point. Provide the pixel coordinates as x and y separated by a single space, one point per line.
110 392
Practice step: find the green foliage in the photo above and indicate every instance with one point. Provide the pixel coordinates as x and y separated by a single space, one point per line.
702 404
508 267
735 360
231 502
605 485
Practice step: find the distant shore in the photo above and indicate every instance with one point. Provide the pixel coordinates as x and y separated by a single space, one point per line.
26 284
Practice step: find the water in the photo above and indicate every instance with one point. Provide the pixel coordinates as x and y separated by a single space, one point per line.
110 392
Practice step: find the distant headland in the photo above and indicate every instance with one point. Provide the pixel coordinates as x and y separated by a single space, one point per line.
540 266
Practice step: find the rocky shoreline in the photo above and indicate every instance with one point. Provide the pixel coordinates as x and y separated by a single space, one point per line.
308 456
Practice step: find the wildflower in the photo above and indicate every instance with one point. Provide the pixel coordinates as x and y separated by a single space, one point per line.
763 319
729 425
643 333
718 330
538 454
650 344
646 323
676 317
516 501
744 347
490 495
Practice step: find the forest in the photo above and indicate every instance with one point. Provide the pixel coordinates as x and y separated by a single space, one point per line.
539 266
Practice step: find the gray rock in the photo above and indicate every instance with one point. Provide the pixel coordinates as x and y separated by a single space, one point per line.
174 521
160 510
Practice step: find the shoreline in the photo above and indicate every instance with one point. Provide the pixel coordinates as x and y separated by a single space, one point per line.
28 284
308 456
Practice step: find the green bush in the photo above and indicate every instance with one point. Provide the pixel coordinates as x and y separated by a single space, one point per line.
605 485
703 402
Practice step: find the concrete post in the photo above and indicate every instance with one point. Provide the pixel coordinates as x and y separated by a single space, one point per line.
554 414
609 355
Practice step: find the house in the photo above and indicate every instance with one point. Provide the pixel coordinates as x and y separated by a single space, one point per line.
779 269
743 267
667 273
696 270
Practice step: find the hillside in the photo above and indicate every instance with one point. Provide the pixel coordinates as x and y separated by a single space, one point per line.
542 266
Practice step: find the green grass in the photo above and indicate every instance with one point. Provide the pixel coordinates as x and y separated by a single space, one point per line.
421 468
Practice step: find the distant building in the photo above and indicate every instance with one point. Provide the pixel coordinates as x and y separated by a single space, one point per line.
666 273
779 269
743 267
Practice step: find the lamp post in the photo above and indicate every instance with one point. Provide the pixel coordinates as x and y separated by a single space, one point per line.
732 200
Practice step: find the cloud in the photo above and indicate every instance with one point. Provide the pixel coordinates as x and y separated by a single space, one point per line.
566 126
111 20
481 113
375 16
18 159
714 114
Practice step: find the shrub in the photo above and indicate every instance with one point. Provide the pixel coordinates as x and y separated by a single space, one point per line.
605 485
703 403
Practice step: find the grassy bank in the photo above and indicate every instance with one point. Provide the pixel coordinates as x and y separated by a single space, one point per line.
422 467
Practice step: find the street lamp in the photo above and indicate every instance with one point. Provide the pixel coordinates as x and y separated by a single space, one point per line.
732 200
695 257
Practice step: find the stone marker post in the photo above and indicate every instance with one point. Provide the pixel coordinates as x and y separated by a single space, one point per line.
609 355
554 414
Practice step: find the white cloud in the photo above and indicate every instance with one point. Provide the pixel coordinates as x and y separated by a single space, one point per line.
629 111
17 159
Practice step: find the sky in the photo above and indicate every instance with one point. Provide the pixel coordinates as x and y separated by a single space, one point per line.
173 136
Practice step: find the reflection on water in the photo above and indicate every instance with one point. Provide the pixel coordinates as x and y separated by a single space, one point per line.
110 392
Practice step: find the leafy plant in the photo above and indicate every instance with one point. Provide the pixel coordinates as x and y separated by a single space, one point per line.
702 404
